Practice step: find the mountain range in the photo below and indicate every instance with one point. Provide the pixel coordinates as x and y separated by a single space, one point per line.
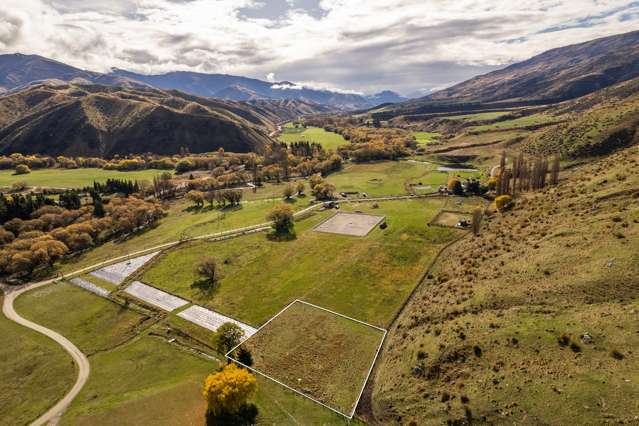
550 77
18 70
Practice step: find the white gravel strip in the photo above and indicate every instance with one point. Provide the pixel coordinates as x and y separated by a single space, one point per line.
89 286
452 169
212 320
155 297
118 272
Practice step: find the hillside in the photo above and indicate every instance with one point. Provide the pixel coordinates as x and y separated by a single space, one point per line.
92 120
556 75
595 124
533 321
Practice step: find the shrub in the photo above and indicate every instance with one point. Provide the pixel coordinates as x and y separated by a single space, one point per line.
504 202
22 169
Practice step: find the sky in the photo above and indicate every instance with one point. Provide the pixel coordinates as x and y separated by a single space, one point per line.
410 46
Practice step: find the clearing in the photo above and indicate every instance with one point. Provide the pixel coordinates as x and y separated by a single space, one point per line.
354 224
322 355
73 178
328 140
364 278
426 138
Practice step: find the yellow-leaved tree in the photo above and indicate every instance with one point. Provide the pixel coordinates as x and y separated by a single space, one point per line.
228 390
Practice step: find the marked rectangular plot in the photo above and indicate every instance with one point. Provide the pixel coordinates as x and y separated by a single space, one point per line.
320 354
212 320
118 272
354 224
89 286
155 297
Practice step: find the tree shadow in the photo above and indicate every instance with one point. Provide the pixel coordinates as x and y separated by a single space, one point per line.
206 287
281 236
244 417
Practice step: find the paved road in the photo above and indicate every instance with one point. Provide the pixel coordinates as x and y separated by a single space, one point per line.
54 413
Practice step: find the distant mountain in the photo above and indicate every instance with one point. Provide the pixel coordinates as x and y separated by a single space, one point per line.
93 120
556 75
19 70
385 97
244 89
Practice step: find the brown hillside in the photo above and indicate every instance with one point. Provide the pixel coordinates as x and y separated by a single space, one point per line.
532 322
99 120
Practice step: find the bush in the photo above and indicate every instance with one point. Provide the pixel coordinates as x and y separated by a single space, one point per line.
504 202
22 169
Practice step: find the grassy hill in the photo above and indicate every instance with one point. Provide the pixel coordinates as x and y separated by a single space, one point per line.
95 120
533 321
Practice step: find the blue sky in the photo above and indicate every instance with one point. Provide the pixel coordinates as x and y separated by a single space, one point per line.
411 46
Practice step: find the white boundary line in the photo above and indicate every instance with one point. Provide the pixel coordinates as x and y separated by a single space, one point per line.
370 370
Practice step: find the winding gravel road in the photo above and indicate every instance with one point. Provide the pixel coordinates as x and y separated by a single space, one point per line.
54 413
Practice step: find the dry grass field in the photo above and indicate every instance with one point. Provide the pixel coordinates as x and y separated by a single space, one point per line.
532 322
317 353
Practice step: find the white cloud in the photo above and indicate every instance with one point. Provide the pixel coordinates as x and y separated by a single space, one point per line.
270 77
363 46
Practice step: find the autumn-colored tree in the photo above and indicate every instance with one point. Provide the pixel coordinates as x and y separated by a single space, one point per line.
228 390
282 218
197 197
289 191
299 187
22 169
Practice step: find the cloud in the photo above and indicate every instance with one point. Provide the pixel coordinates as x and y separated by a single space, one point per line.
356 46
10 27
270 77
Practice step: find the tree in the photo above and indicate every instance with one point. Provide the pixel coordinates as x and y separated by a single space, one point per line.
207 270
183 166
22 169
300 187
478 215
227 391
282 218
455 187
197 197
228 336
289 191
